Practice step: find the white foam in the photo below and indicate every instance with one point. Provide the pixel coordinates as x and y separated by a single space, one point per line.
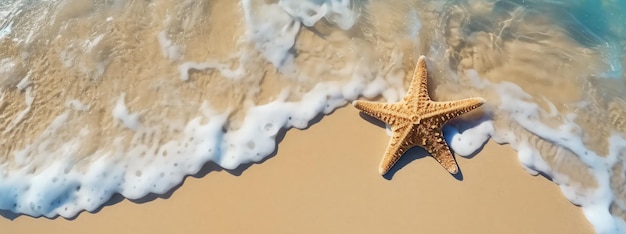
120 112
272 30
168 48
469 141
519 105
53 179
165 165
25 82
24 158
309 12
224 69
58 188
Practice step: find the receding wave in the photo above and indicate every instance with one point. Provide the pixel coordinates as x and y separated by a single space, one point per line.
129 97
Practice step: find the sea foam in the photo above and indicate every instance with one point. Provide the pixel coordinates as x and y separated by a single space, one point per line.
64 186
65 176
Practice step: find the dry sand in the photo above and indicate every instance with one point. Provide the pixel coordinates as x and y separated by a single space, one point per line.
324 180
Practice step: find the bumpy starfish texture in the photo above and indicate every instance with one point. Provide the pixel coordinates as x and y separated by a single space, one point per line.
418 121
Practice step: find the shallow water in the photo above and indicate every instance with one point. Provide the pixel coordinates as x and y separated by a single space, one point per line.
101 97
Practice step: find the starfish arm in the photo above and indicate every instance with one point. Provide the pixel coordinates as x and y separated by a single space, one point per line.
418 89
446 111
398 144
389 113
441 152
430 137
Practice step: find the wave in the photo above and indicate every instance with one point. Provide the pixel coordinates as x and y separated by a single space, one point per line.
108 97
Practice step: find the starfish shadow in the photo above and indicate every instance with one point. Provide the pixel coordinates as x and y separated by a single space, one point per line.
373 120
411 155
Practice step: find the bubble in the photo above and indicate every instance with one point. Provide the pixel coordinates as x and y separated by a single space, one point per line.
268 127
250 144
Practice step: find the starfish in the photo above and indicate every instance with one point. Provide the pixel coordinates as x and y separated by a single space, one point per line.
418 121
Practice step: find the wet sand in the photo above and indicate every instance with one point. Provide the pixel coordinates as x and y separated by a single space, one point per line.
324 180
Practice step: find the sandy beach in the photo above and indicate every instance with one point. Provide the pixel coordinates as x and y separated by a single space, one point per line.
324 180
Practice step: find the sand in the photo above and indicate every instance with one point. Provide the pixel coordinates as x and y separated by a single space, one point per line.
324 180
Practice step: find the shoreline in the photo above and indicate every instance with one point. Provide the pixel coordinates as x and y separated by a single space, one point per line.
324 180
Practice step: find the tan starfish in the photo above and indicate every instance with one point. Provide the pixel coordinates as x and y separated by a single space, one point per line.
418 121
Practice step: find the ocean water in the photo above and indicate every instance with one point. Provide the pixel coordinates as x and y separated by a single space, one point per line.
99 97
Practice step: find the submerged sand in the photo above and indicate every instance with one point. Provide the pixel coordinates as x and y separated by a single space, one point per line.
324 180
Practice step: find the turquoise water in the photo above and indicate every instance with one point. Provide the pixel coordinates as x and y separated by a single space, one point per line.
100 97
